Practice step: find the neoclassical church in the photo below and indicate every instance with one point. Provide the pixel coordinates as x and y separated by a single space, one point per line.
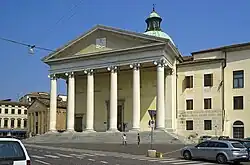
119 80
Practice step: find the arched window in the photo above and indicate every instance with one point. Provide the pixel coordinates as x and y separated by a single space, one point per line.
238 129
12 122
25 123
6 122
19 123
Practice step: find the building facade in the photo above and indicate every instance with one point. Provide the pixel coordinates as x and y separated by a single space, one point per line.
118 80
13 118
38 114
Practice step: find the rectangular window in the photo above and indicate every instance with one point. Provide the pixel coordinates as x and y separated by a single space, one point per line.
207 124
189 125
6 111
189 104
208 103
12 111
189 81
238 79
19 111
238 102
25 112
208 80
5 123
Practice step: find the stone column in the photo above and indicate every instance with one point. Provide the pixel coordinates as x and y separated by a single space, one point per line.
42 122
71 103
113 99
160 105
53 103
90 101
136 97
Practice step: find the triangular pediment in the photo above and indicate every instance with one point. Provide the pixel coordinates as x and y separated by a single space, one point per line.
103 39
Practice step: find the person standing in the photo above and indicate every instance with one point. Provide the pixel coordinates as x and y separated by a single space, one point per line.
138 139
124 139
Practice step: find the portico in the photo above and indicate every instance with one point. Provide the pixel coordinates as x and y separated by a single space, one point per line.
89 74
114 78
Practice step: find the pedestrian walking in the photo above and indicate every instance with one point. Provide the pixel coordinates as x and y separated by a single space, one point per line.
138 139
124 139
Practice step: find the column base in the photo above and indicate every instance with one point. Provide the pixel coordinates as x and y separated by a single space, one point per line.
69 131
112 130
135 130
51 132
88 130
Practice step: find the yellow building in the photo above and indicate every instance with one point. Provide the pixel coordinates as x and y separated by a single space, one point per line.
118 80
38 115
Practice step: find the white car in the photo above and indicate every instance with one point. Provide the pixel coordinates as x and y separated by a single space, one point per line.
12 151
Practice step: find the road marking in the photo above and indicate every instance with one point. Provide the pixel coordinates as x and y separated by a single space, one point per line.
77 155
39 161
169 161
153 160
205 163
91 160
38 157
88 155
51 156
100 154
191 162
104 162
67 156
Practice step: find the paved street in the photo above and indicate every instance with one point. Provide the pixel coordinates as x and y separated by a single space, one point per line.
42 156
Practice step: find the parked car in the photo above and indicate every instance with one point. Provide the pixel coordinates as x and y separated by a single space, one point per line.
12 151
244 142
221 151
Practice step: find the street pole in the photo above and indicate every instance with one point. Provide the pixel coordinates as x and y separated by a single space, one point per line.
152 133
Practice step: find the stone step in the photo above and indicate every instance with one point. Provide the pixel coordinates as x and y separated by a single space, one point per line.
104 137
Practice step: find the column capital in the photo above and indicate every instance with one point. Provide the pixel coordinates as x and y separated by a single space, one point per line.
69 74
135 66
160 63
52 76
112 68
89 71
170 71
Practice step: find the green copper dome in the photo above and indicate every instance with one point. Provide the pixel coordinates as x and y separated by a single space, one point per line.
154 26
159 34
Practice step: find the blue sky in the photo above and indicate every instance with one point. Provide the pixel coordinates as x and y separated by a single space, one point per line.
192 24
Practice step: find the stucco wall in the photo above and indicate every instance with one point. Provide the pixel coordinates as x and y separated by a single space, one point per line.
198 93
237 60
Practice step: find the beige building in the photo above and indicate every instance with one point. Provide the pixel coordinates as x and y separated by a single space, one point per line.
38 116
119 80
13 118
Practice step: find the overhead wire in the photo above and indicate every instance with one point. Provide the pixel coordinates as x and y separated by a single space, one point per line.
49 30
25 44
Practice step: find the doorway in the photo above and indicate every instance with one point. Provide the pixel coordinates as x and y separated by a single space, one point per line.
120 115
78 124
238 129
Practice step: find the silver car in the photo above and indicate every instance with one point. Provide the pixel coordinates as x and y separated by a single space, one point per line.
221 151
